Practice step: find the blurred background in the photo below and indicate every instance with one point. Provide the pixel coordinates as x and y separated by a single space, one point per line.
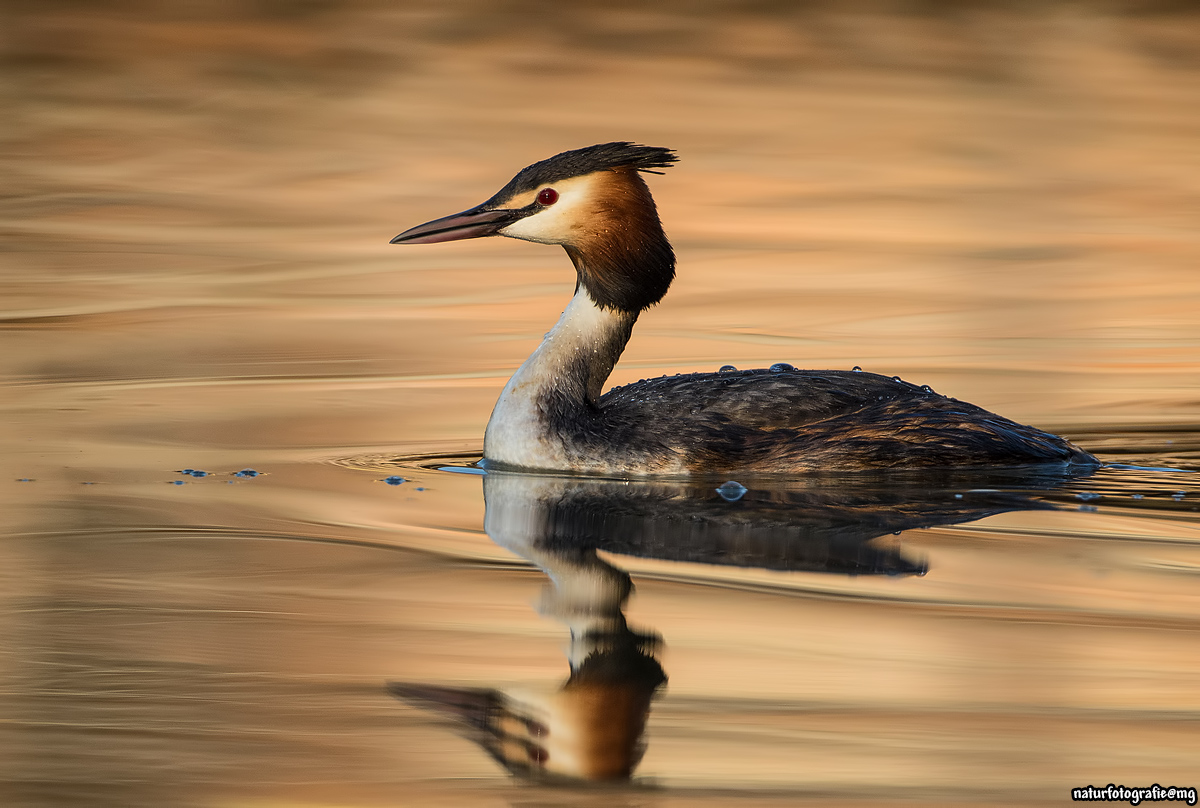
997 199
963 191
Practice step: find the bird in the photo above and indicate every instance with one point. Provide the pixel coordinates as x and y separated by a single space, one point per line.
553 415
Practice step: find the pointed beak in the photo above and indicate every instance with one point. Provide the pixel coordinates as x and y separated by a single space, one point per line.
473 223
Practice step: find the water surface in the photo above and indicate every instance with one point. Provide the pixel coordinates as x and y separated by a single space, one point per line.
197 276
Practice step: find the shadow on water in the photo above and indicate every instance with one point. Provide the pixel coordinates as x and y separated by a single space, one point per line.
592 726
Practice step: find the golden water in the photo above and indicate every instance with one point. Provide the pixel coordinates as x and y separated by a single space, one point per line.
197 203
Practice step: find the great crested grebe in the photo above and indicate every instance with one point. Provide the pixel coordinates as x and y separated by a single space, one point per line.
552 414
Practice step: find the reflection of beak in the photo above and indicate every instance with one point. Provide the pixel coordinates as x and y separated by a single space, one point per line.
473 223
584 731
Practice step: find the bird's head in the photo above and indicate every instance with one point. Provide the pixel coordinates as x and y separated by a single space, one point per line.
595 204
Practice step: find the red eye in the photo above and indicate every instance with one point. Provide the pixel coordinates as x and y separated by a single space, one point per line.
548 196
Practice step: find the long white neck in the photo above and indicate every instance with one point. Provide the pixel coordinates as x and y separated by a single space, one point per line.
559 384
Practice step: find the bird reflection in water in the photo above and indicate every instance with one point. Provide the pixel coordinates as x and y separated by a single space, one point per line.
592 727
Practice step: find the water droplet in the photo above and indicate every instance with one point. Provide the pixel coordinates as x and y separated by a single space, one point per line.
731 491
958 496
856 369
393 480
926 388
185 471
1089 496
1089 508
1137 496
199 473
178 482
25 480
1178 496
727 369
897 379
781 367
247 473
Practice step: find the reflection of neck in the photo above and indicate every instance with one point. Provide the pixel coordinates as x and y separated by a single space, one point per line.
562 380
586 593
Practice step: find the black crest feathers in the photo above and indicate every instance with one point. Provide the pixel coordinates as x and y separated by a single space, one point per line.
576 163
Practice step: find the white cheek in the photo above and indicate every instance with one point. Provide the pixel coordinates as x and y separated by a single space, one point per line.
557 223
531 228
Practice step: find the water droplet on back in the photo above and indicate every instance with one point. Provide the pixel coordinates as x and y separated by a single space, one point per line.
731 491
781 367
727 369
856 369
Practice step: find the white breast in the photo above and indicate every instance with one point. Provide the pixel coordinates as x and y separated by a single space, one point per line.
518 433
